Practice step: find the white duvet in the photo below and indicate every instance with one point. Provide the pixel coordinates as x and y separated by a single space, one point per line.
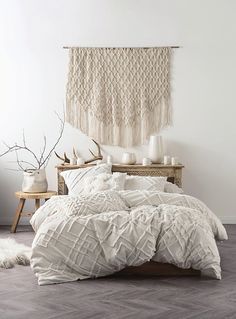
99 234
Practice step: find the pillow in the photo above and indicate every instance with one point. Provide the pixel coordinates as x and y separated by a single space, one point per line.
103 182
74 178
156 183
172 188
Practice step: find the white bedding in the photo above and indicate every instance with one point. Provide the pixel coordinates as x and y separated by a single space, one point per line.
99 234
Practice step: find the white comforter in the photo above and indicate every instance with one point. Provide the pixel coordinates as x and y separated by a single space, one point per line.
99 234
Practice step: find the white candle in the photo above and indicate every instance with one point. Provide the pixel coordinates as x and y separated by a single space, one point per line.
167 160
80 161
174 161
146 161
73 161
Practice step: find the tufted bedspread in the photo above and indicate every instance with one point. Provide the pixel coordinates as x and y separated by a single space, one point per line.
99 234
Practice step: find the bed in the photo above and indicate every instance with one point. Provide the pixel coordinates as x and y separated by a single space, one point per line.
174 175
181 206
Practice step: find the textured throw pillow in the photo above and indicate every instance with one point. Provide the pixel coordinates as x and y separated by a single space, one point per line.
172 188
145 183
74 178
103 182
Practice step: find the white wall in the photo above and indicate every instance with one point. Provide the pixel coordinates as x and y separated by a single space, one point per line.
33 69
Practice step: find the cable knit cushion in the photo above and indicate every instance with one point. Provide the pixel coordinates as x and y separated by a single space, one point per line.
145 183
103 182
74 178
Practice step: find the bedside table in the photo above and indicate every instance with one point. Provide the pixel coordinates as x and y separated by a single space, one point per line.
22 198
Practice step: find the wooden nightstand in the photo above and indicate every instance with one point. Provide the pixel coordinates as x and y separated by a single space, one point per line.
22 198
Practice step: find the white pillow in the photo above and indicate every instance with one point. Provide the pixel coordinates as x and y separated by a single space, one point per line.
74 178
172 188
103 182
155 183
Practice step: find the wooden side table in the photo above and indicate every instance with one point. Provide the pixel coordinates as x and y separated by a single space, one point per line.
22 198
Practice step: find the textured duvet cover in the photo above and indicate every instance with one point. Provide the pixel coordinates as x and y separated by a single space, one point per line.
99 234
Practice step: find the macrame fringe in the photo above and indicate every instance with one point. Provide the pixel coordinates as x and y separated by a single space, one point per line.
148 124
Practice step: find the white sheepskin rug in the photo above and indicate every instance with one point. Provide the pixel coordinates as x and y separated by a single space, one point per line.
12 253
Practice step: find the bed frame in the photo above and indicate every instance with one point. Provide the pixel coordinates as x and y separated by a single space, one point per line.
172 172
174 175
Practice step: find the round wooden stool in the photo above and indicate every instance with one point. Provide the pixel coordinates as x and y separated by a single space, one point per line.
22 198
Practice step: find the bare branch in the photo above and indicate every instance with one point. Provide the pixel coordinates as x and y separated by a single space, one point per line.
17 147
9 149
18 162
25 162
41 160
24 141
14 169
62 126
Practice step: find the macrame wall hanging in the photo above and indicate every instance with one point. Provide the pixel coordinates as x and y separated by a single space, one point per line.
119 96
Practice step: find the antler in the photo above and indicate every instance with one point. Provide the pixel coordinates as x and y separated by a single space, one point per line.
75 153
95 157
65 159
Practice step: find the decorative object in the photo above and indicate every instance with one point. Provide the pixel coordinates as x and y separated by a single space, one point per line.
97 157
12 253
173 174
150 183
128 158
103 182
34 176
35 181
73 161
74 177
167 160
174 161
119 96
146 161
80 161
22 196
155 150
109 159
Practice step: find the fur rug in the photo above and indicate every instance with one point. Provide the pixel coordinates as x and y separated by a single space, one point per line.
12 253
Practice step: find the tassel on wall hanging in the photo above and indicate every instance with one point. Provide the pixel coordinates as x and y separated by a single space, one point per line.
119 96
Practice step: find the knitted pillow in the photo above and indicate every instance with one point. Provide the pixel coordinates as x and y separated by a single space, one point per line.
156 183
103 182
74 178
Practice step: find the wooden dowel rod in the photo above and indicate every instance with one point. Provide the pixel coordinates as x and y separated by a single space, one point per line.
172 47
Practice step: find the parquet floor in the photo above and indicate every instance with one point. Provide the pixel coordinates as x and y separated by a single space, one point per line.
123 298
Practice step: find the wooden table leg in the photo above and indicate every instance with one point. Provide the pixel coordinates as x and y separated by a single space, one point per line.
37 203
17 215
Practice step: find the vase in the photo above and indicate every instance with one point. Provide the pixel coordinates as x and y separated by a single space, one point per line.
155 149
128 158
35 181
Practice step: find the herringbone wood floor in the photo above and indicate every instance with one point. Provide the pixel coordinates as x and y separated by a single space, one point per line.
123 298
